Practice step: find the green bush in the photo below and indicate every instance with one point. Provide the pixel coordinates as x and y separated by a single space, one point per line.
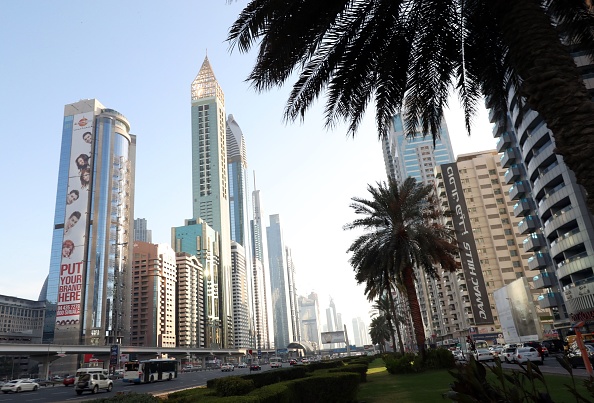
131 398
275 393
408 363
191 395
360 369
314 366
439 358
327 388
234 386
278 375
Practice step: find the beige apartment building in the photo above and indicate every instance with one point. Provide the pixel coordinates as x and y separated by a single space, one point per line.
190 315
492 253
154 305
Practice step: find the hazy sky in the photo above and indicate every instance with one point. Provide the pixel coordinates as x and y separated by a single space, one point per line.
139 58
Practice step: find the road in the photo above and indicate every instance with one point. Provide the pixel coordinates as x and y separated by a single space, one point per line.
60 393
551 366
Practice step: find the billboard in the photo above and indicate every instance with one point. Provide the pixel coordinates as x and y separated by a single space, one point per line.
75 222
333 337
479 300
517 312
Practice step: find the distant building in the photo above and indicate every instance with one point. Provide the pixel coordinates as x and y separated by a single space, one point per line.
260 276
141 231
21 320
309 313
154 304
279 284
241 308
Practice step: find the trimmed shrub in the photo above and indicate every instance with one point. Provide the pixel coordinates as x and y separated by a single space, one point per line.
234 386
191 395
131 398
360 369
439 358
408 363
278 375
327 388
277 393
314 366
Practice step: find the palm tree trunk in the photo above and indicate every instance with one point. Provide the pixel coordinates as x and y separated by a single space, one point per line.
391 297
415 310
551 84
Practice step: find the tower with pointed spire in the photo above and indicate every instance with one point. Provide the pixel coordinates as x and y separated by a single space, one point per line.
210 198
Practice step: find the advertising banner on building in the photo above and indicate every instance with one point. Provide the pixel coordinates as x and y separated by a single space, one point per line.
75 221
477 291
333 337
517 312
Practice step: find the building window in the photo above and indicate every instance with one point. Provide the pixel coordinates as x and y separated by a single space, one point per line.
510 242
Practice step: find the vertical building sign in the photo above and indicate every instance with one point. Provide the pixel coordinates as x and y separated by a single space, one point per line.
477 291
75 221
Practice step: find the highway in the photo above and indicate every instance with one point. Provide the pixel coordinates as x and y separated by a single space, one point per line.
60 393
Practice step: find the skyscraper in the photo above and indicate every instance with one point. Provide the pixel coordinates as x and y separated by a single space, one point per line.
240 236
260 283
292 287
309 314
141 231
279 284
210 188
88 287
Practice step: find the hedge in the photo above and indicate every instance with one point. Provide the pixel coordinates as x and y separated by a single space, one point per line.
360 369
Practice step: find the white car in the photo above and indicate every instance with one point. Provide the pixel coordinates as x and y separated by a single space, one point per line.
19 385
525 354
227 368
483 354
242 365
508 354
93 382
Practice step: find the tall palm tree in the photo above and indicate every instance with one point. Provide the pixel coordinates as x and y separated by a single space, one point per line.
385 306
379 332
412 53
402 232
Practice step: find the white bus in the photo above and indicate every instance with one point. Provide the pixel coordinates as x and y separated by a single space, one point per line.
149 371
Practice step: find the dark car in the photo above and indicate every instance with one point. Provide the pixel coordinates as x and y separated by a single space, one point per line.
292 362
574 356
255 367
554 345
69 380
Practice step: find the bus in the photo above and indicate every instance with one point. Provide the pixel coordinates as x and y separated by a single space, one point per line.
149 371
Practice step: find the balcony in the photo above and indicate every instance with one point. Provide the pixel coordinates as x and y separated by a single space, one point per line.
523 207
509 157
543 280
528 224
512 174
574 264
534 242
518 190
504 142
539 261
548 300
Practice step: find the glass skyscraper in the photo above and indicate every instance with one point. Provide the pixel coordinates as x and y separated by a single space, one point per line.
210 189
88 287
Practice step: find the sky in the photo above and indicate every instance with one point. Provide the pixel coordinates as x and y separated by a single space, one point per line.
139 58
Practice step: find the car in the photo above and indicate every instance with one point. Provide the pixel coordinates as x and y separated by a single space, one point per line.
69 380
525 354
508 354
459 355
483 354
292 362
242 365
574 355
19 385
305 361
255 367
92 382
554 345
227 367
497 350
188 368
537 346
545 351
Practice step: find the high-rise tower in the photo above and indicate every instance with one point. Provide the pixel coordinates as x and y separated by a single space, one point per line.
88 288
210 189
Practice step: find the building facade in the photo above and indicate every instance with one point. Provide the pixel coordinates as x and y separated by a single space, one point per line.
88 287
292 286
260 276
210 187
154 299
21 320
197 238
190 301
241 308
309 314
141 231
279 285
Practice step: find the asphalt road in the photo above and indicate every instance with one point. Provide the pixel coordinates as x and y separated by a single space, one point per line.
60 393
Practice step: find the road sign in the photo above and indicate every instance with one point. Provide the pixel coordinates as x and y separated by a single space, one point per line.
259 353
249 352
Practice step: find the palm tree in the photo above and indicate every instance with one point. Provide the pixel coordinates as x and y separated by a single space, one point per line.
379 332
385 306
412 53
402 232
